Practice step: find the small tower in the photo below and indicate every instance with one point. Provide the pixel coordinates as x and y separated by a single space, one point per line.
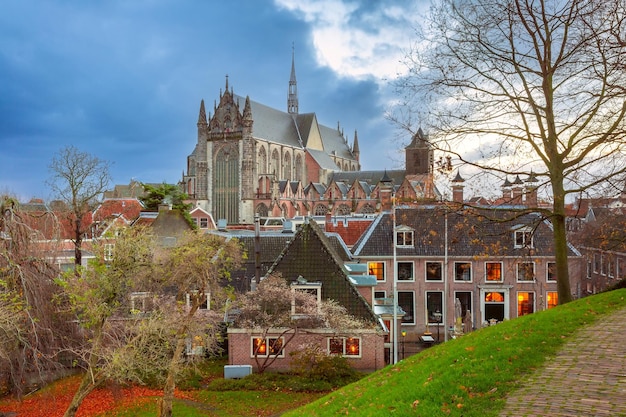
419 155
292 99
355 147
457 188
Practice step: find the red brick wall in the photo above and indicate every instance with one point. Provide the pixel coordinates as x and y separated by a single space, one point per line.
240 342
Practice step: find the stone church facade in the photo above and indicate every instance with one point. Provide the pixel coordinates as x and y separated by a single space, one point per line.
253 159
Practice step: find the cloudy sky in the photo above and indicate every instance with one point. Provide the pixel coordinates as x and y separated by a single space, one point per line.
122 80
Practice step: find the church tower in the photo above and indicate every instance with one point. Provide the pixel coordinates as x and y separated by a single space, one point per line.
292 99
419 155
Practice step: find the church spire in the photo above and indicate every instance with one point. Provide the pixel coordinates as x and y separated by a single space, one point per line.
292 100
202 114
355 146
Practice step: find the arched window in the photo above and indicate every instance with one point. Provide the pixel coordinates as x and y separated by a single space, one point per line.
262 161
287 166
368 209
343 210
299 169
274 168
320 210
262 210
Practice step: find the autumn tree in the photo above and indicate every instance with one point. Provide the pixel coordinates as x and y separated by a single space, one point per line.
100 297
277 309
199 268
535 89
78 179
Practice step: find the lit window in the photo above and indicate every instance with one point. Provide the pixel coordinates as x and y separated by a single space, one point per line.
493 271
405 271
108 251
525 303
434 271
523 239
553 299
551 268
377 269
463 271
269 346
526 271
345 346
495 306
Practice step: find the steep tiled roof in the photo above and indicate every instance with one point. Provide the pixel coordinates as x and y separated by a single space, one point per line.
470 233
310 255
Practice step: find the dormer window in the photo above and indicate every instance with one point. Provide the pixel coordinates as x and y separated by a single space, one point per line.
523 238
404 236
298 307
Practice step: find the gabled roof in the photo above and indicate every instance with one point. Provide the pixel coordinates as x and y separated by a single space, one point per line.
471 233
310 255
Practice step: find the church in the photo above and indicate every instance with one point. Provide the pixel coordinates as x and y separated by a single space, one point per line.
253 159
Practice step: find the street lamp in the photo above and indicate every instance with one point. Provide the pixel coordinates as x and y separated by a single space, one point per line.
437 315
403 336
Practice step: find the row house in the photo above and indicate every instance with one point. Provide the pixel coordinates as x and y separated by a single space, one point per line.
483 265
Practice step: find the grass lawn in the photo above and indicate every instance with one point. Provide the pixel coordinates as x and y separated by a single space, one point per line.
469 376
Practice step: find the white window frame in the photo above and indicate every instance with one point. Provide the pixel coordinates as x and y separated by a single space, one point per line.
268 343
384 270
501 272
344 351
518 265
309 287
108 249
456 264
412 321
534 302
433 323
440 271
548 271
404 237
523 238
208 301
412 278
139 297
203 222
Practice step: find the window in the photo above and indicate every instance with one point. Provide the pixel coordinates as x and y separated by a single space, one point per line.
406 301
463 271
523 238
405 271
620 268
551 271
141 302
380 294
596 263
108 251
345 346
588 269
434 304
553 299
493 271
268 346
525 303
465 298
204 223
404 236
204 302
301 306
494 306
377 269
609 267
434 271
526 271
602 265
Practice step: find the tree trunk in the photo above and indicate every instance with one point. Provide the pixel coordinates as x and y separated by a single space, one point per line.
78 239
85 388
560 243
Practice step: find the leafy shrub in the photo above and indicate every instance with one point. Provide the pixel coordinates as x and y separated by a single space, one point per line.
313 362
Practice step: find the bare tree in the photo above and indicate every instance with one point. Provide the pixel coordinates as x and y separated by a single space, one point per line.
525 87
78 179
197 268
